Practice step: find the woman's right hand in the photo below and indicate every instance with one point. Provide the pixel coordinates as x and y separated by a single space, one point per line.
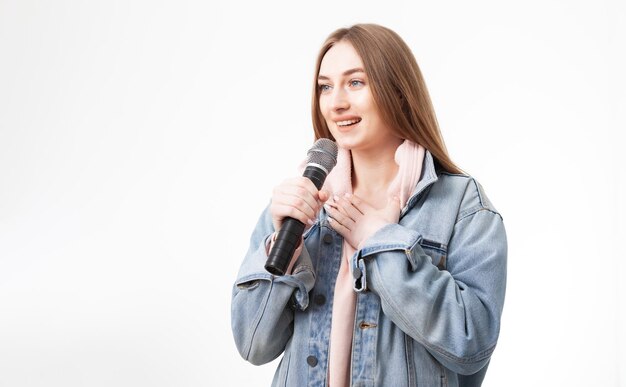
296 198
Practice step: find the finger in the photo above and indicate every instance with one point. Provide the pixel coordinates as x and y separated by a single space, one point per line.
307 204
303 188
360 204
323 196
346 208
284 211
341 229
308 185
303 182
288 200
356 203
337 205
329 205
297 196
337 216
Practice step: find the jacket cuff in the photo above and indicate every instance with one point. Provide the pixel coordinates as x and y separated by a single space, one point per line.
301 277
391 237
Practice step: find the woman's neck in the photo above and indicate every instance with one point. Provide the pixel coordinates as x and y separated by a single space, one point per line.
373 171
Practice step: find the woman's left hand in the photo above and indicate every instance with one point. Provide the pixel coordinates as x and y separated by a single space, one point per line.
356 220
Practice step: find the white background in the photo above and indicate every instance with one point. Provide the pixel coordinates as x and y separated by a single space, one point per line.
140 140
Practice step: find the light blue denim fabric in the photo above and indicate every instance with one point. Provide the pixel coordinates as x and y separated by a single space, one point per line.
430 293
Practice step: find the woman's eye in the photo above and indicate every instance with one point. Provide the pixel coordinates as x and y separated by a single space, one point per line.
356 82
324 87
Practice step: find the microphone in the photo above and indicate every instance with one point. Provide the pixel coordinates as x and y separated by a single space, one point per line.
322 158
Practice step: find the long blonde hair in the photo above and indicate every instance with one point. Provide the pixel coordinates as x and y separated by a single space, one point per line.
397 85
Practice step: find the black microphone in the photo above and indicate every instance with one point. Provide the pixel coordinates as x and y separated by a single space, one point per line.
322 159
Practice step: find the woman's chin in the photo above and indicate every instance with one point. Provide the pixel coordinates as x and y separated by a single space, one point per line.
345 144
346 141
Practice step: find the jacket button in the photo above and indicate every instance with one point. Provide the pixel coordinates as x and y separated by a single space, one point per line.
365 325
312 361
319 299
327 238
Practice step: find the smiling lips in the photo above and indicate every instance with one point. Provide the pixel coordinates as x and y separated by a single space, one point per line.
348 123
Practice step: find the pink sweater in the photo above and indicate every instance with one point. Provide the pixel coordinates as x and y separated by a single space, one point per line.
409 157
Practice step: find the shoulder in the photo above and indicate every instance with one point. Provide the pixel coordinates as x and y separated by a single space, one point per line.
466 191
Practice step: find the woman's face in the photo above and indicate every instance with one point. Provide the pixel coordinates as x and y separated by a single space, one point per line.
346 101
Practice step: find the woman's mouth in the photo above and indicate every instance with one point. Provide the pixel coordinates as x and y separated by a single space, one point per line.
348 123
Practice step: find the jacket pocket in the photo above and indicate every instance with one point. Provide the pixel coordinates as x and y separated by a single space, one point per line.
422 368
248 285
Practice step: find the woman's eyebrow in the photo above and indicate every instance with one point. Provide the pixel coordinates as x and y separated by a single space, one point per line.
347 72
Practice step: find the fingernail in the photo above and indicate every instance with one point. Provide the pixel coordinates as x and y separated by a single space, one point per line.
309 221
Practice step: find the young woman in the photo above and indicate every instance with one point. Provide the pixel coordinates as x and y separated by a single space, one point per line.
399 279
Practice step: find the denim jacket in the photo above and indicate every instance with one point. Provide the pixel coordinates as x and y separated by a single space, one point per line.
430 292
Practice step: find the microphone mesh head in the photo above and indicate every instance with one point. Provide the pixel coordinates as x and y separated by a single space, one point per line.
324 153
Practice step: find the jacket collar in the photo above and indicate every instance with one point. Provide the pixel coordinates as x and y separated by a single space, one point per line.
429 176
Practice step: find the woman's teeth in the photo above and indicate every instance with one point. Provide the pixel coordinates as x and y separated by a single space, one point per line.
348 122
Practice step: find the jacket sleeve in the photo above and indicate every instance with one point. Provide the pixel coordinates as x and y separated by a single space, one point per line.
454 313
262 305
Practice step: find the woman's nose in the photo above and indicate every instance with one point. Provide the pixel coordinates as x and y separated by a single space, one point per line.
339 100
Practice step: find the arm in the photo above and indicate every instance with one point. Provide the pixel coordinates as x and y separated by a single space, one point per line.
262 304
455 314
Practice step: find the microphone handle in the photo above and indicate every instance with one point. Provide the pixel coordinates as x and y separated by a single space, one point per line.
291 230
